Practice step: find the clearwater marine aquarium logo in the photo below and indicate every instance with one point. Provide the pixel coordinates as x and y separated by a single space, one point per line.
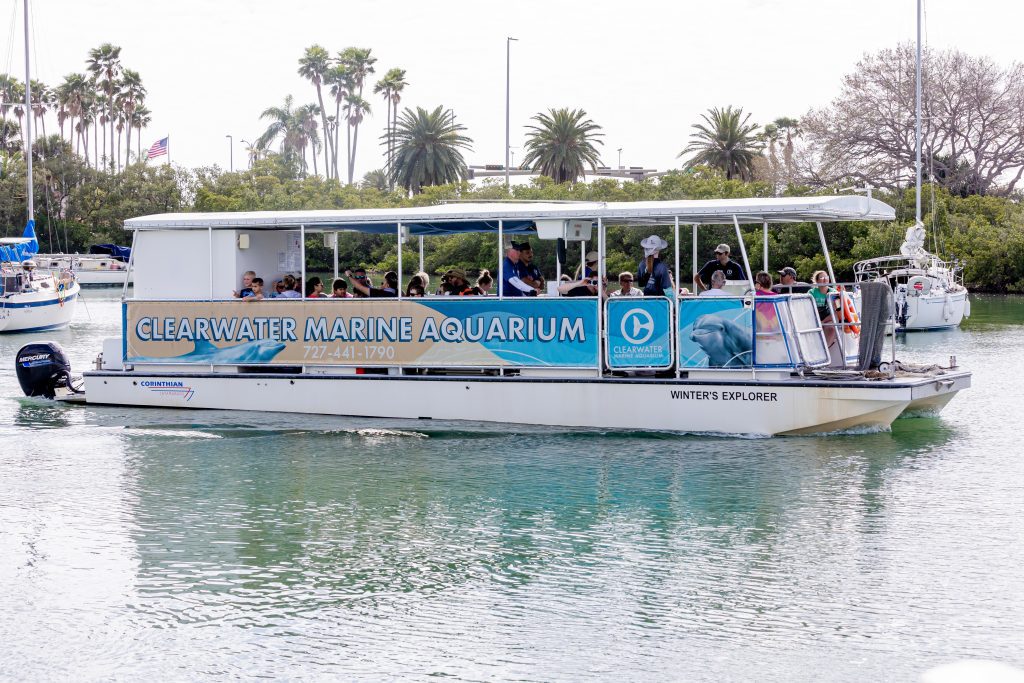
635 322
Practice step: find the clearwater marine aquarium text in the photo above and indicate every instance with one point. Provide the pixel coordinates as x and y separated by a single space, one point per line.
360 329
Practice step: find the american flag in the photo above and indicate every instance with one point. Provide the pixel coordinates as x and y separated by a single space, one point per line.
159 148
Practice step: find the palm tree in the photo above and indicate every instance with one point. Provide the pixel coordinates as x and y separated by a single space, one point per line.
771 135
342 85
356 108
376 179
141 118
314 65
306 119
291 125
562 145
133 94
104 64
428 149
70 94
7 96
726 142
42 100
791 127
358 63
391 87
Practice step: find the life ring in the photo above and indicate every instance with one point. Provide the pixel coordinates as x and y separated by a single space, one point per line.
850 317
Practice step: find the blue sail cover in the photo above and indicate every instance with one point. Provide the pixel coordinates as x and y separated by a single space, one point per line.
16 253
120 253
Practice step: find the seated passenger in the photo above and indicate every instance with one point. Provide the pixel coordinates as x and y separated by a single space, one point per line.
364 287
788 283
256 290
416 287
626 287
457 285
820 293
361 283
339 290
717 283
277 289
584 287
246 289
484 283
314 288
763 284
289 292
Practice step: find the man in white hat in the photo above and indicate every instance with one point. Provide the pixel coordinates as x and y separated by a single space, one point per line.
722 262
652 274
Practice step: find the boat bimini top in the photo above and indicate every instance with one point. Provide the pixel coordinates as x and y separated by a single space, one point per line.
521 217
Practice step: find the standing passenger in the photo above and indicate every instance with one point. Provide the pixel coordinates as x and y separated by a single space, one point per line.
512 284
652 273
721 262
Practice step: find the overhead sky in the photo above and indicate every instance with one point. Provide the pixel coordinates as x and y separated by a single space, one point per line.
644 71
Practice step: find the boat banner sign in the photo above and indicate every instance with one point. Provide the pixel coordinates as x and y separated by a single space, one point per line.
442 332
639 332
715 332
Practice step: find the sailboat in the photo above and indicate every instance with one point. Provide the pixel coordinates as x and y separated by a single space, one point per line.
32 298
928 292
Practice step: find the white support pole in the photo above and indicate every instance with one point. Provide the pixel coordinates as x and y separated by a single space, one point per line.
601 275
743 250
335 259
302 251
131 265
824 250
765 268
675 239
693 275
583 260
399 292
209 235
501 259
421 255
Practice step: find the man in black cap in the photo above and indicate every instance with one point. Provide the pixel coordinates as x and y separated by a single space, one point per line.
528 271
722 262
788 283
511 283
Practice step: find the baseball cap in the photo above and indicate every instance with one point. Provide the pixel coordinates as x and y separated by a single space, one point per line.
521 246
724 248
788 270
591 257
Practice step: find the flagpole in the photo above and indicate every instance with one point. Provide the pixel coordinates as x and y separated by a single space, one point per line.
168 149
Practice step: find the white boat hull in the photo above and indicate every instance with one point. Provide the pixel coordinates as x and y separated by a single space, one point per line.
788 406
37 310
944 311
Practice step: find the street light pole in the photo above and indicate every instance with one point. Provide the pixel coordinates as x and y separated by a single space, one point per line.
508 96
231 153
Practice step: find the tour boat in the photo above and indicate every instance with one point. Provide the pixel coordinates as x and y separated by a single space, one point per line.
725 364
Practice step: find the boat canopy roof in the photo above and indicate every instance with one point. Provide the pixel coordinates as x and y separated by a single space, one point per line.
521 217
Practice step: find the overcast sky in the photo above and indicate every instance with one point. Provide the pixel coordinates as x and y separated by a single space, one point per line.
644 71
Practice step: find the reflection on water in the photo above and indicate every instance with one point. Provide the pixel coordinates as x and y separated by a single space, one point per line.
204 543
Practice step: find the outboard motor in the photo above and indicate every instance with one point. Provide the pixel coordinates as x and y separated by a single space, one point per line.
43 368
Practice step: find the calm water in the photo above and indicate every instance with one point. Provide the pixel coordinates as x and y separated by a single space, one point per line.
150 543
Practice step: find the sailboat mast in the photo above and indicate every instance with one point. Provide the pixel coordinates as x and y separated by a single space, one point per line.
916 120
28 122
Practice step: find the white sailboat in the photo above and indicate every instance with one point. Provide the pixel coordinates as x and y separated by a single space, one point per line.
929 292
32 298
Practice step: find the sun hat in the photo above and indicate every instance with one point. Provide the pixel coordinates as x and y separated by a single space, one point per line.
654 242
456 272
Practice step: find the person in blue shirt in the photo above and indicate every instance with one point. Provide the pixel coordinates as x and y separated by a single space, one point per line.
653 275
528 270
511 282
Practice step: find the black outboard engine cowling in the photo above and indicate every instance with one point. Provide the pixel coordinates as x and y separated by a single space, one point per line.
42 368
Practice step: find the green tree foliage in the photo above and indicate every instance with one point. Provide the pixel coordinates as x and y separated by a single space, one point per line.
428 149
725 141
561 145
